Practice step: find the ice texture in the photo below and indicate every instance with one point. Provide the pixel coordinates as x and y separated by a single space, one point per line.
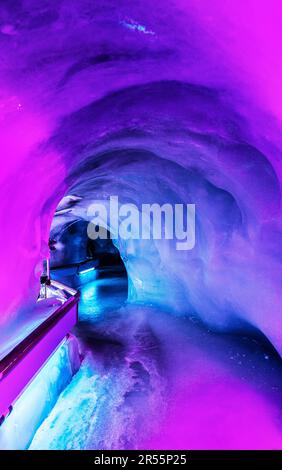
38 399
176 101
150 380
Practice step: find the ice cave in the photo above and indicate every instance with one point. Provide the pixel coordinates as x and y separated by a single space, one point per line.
126 342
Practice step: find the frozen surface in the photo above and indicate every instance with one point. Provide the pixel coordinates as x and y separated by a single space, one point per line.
149 380
153 103
38 399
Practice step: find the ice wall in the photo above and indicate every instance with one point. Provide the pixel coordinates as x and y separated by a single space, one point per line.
177 101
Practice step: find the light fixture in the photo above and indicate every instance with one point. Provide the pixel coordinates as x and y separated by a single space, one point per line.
86 270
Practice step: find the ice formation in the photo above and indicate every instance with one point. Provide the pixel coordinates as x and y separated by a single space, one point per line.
186 113
175 101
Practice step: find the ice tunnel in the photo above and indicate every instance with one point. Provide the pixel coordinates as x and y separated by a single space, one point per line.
169 103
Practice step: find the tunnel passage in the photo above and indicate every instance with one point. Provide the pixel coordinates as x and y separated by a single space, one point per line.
199 151
70 245
132 111
152 105
75 257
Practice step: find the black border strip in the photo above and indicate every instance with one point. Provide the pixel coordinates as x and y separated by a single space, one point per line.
142 457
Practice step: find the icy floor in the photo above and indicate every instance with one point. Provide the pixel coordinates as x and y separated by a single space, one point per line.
149 380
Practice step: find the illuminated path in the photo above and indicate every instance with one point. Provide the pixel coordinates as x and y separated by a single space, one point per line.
138 388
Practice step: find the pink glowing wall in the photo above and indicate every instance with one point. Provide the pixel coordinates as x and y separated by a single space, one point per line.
196 85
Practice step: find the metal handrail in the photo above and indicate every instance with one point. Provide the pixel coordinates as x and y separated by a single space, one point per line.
8 362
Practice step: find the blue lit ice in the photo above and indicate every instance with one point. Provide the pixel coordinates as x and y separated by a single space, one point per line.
151 380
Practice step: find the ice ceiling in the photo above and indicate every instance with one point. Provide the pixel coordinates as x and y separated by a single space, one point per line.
171 101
